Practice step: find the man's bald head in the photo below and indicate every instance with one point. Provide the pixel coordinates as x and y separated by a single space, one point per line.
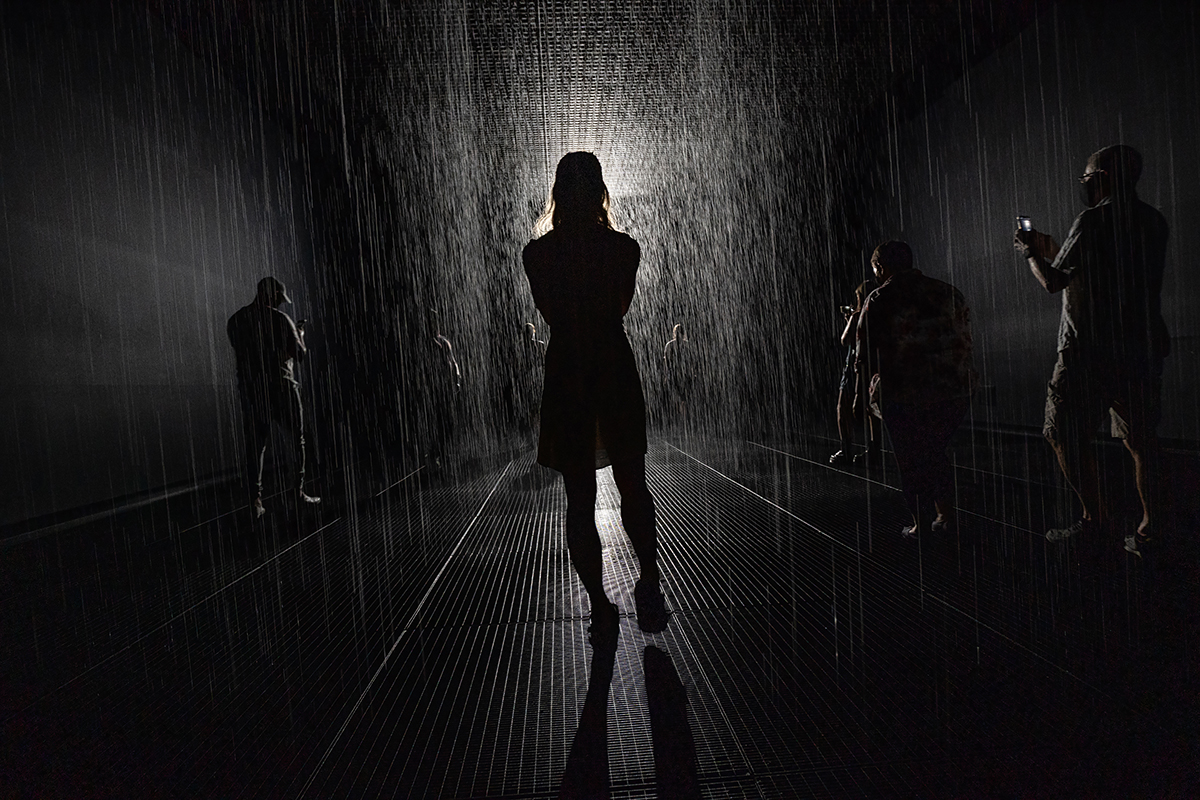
891 258
1120 162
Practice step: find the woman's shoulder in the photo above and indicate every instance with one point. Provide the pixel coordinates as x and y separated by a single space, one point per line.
622 242
619 236
535 248
613 239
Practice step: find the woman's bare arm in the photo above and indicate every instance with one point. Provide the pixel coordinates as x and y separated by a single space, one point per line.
848 332
629 283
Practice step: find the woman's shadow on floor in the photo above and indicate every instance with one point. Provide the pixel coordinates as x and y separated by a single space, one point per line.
586 775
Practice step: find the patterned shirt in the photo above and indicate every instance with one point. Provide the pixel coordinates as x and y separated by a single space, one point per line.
914 341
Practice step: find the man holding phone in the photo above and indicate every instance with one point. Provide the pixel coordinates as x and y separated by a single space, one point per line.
267 343
1111 337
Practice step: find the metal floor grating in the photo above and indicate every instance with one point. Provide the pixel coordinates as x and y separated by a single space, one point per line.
432 643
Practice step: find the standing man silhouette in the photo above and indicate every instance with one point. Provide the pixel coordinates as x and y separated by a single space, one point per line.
679 373
1111 336
266 343
914 348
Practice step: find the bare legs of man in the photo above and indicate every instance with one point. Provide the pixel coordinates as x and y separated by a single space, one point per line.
1077 461
1146 455
947 516
920 435
1078 397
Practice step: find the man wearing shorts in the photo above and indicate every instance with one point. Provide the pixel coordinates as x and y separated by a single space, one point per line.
1111 337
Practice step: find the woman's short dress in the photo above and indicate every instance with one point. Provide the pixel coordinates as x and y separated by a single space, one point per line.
593 412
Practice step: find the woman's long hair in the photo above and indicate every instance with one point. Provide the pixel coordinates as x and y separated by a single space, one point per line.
579 196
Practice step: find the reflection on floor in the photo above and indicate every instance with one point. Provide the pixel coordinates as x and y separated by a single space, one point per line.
431 642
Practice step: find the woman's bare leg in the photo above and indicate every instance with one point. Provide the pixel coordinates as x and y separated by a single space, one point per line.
874 435
637 514
583 541
845 418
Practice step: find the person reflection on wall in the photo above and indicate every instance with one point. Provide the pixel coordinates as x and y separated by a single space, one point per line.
533 360
1111 336
582 275
535 346
679 374
266 343
447 362
443 382
847 412
914 340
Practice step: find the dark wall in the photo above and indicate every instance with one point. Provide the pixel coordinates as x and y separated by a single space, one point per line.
143 198
1010 138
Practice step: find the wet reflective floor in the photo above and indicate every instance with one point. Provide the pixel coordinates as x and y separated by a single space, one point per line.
431 641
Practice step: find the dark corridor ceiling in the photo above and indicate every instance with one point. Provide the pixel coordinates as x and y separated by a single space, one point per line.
643 69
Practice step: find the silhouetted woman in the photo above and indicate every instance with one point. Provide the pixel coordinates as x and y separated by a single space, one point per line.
582 275
848 390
